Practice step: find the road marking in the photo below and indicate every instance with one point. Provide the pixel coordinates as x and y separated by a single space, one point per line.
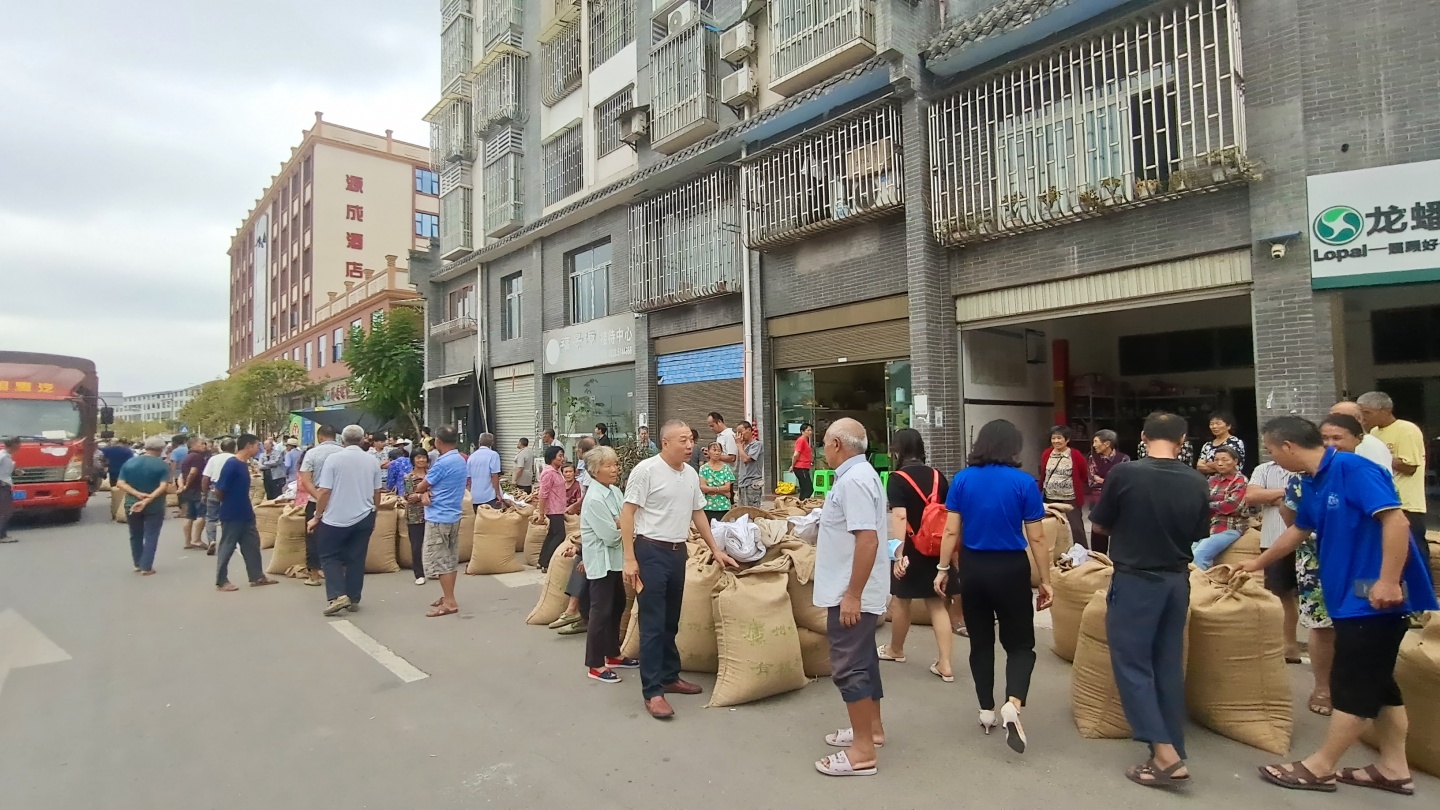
402 669
520 579
23 645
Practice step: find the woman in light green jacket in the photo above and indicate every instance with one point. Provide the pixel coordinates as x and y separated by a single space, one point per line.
604 560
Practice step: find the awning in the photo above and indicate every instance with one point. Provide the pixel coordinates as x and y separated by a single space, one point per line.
338 418
447 381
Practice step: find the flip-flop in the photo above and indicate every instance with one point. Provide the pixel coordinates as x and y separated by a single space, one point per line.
884 652
844 738
1376 780
1158 777
1296 776
837 764
441 610
935 670
438 602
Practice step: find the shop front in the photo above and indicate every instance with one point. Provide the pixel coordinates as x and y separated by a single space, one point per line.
697 373
1092 353
591 371
513 389
825 372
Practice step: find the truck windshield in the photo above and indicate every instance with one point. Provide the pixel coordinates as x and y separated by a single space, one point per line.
58 420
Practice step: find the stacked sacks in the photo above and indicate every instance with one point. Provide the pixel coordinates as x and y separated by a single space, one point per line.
380 555
1247 547
814 653
696 642
495 535
1073 586
788 505
759 649
1094 700
557 576
117 505
289 541
267 518
527 511
257 490
800 586
1054 526
403 556
1235 680
534 540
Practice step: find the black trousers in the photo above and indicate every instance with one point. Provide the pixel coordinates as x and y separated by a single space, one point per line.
7 507
417 548
995 587
607 605
1417 529
312 547
272 485
553 538
804 483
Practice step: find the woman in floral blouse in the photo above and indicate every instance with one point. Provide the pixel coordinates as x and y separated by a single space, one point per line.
415 512
1221 424
717 480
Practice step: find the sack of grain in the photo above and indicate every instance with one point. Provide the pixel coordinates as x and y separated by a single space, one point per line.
172 500
1094 700
1073 586
814 653
466 530
495 534
1247 547
117 505
267 517
1057 533
1418 672
801 588
759 650
534 541
1236 683
380 555
403 555
257 490
552 591
105 485
699 649
289 541
789 505
1435 566
630 641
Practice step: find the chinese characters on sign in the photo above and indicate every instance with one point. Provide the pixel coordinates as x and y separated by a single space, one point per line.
1375 226
355 183
27 387
601 342
354 270
355 213
355 241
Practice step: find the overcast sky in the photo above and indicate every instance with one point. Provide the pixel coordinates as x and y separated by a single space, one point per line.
136 136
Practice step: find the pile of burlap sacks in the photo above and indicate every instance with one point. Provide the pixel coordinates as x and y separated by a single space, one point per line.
117 497
755 628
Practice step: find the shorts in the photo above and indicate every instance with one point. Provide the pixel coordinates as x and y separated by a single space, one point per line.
442 548
1362 680
193 504
1313 613
854 657
1281 578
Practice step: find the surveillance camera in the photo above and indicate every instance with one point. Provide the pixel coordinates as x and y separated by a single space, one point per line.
1277 250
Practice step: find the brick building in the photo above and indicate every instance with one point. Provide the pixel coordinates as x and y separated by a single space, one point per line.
930 214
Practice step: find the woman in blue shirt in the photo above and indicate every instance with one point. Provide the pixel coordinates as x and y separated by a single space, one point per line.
1000 507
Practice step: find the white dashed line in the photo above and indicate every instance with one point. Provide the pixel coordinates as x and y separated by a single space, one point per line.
402 669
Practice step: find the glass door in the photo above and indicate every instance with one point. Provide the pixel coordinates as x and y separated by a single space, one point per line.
795 406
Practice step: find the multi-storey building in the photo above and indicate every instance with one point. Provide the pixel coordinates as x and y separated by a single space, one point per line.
160 406
343 202
930 215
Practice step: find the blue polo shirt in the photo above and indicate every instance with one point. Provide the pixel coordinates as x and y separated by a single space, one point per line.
483 463
234 482
995 502
447 478
1339 504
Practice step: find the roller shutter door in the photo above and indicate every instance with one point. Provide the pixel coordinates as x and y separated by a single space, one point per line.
885 340
694 401
514 417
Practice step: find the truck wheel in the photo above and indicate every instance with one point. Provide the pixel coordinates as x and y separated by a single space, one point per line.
70 515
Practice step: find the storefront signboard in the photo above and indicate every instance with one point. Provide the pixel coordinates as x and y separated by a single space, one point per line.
1375 226
604 341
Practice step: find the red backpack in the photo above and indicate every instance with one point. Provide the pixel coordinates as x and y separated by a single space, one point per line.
932 519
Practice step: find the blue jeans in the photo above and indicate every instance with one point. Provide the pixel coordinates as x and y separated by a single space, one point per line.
144 537
342 557
244 536
212 516
1207 550
662 570
1145 622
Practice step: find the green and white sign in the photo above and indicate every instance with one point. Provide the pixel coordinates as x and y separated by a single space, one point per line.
1375 226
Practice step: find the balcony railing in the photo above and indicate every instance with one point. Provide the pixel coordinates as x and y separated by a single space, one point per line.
499 93
454 328
504 205
815 39
391 278
450 9
685 243
502 25
451 133
560 70
848 172
456 218
456 56
684 86
1147 110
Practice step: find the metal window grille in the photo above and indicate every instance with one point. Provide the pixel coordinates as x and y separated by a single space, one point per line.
848 171
504 206
499 93
612 27
590 282
451 134
451 9
511 291
807 30
685 242
564 161
502 23
685 81
607 121
1145 110
560 70
455 52
456 217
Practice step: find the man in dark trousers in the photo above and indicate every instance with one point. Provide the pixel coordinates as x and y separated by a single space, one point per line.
1153 509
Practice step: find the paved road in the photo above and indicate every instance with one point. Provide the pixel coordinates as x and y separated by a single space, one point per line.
176 696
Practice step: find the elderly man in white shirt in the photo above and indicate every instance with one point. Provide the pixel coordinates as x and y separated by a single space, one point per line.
348 487
852 581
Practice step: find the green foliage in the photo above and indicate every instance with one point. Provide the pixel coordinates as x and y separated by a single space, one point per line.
631 453
260 394
135 431
212 412
387 366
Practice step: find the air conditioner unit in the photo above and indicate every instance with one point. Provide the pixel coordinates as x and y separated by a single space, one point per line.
739 87
634 125
738 42
681 17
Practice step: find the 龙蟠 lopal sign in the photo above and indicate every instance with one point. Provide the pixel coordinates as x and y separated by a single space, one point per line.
1375 226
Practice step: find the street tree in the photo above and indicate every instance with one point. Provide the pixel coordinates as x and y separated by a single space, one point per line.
266 391
387 366
213 411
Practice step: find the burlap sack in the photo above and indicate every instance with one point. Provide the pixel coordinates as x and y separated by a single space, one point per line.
699 649
289 541
1073 586
789 505
257 490
172 500
801 588
1245 548
534 541
814 653
1235 679
380 555
1418 672
267 517
117 505
495 535
403 555
755 628
105 485
467 530
630 643
552 591
1435 566
1094 700
1053 526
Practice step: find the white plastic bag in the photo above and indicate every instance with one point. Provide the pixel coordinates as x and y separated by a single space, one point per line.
1078 554
740 539
807 527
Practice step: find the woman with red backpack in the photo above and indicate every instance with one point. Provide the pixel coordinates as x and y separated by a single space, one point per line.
916 494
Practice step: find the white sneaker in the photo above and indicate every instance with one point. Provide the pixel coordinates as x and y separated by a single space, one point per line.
419 580
1014 732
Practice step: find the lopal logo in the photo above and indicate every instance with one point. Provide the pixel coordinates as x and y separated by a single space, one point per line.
1338 225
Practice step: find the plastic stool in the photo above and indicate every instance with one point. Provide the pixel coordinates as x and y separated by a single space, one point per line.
824 480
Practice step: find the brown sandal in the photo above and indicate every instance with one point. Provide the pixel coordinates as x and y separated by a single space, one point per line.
1157 776
1375 779
1296 776
1319 703
441 610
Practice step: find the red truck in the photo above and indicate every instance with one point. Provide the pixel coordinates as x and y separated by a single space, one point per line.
49 402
